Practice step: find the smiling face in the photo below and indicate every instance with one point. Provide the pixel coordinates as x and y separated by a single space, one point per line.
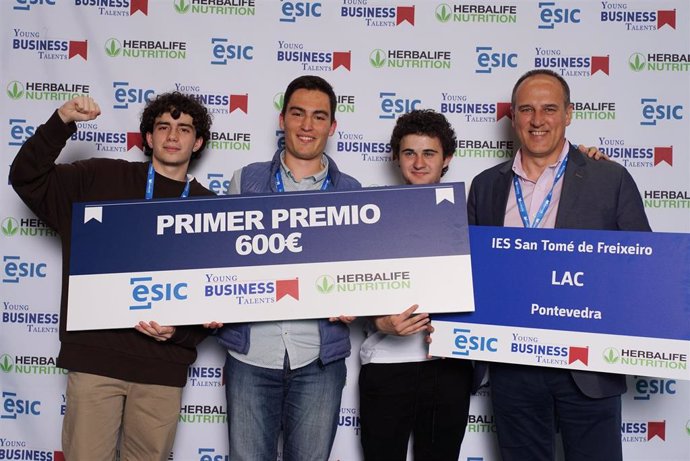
540 115
421 159
173 141
308 124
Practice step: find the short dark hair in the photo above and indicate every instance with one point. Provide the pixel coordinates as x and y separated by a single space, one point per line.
426 122
548 72
310 82
176 103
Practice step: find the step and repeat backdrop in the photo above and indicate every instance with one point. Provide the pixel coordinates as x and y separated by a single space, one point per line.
627 62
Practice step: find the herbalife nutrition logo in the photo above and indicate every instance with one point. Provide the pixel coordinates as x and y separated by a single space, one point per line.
443 12
637 62
182 7
687 427
15 90
10 227
5 363
279 101
377 58
325 284
113 47
611 355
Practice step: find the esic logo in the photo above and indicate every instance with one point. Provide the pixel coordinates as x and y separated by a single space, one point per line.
293 10
549 15
20 131
392 106
653 112
218 184
15 269
25 5
125 95
223 51
13 407
145 293
488 60
466 343
646 387
208 454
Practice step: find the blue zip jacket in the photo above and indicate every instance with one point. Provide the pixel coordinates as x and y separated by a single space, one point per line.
335 336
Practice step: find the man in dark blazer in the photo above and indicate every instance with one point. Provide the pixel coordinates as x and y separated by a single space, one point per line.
550 184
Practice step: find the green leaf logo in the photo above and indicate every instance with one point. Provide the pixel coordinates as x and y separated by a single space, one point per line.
113 47
10 227
377 58
278 101
182 7
637 62
443 12
611 355
15 90
325 284
5 363
687 427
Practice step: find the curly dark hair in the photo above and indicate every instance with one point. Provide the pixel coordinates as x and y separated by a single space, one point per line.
426 122
176 103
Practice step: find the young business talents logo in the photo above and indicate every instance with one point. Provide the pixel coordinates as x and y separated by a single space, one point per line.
107 141
643 431
356 143
216 102
378 15
633 155
53 49
22 315
312 60
115 8
216 7
248 292
485 13
570 65
635 19
472 111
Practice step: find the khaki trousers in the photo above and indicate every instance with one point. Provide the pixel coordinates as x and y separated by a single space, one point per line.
101 409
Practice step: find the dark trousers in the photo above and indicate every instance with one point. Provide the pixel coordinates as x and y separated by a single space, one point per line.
531 403
429 400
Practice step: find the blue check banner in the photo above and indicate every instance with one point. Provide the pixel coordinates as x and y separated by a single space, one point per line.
270 257
616 302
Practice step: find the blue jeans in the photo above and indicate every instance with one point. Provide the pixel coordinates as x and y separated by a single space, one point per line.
304 403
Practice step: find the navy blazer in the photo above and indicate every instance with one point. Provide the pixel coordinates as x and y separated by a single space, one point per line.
596 194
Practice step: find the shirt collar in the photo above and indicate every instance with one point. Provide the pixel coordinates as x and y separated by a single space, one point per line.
320 176
519 171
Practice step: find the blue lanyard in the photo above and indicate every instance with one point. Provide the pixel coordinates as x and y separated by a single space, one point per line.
281 188
544 205
152 177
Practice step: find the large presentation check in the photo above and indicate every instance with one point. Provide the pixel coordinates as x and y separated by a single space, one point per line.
270 257
616 302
